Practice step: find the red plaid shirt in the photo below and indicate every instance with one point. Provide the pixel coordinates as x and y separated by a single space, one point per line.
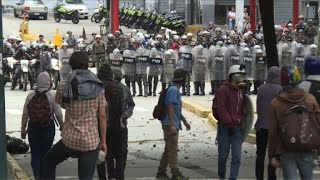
81 130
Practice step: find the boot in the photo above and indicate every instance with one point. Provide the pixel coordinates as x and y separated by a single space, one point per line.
183 90
162 176
196 88
188 89
202 88
212 88
155 89
150 89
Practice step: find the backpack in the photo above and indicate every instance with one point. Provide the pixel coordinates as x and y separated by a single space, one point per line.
159 111
39 110
299 129
115 98
215 106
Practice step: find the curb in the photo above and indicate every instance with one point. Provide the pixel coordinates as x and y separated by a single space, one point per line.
16 169
206 113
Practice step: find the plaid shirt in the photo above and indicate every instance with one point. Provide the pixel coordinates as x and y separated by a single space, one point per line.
81 130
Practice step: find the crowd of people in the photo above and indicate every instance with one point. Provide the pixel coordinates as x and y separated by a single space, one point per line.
230 60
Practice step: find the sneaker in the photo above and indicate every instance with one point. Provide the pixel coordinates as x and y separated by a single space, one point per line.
162 176
179 177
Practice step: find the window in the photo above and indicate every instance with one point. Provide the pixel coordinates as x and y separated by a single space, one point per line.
74 2
34 2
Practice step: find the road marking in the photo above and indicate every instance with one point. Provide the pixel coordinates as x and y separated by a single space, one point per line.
14 111
141 109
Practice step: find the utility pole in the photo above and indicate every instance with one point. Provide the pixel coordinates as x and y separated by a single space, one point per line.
3 139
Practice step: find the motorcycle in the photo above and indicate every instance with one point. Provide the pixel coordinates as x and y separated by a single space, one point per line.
133 19
7 71
61 12
25 70
55 76
171 21
102 13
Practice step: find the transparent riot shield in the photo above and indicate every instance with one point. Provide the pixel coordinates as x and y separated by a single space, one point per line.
185 58
285 55
248 60
217 64
129 63
116 62
156 62
233 56
260 67
169 65
299 58
200 60
142 61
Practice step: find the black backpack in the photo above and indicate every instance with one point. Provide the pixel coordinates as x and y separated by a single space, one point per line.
39 110
159 111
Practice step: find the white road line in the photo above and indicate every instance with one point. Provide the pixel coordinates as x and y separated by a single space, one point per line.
14 111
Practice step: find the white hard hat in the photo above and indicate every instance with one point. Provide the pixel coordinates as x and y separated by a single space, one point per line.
313 46
116 50
171 50
184 37
67 35
246 35
147 35
159 36
167 53
19 39
8 45
176 37
80 40
257 47
51 46
33 43
117 31
206 32
23 48
246 49
289 24
110 35
236 69
218 29
134 31
259 51
11 37
174 32
22 44
132 40
64 44
98 36
189 34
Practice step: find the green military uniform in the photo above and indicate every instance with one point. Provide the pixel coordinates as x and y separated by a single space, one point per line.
99 53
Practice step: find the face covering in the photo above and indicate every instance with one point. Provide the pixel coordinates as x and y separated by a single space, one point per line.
238 78
117 78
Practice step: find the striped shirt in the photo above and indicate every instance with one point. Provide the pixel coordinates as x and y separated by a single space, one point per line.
81 129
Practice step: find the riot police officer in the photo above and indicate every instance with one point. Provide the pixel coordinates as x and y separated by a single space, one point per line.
155 69
99 51
142 63
200 59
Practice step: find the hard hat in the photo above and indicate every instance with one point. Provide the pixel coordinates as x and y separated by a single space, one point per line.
67 36
184 37
289 24
24 49
153 43
236 69
51 46
189 34
8 45
246 35
117 32
246 49
313 46
22 44
32 43
19 39
259 51
64 44
257 47
206 32
98 36
110 36
80 40
167 53
12 37
290 75
132 40
116 50
176 37
159 36
147 36
153 49
41 45
301 17
174 32
134 31
218 30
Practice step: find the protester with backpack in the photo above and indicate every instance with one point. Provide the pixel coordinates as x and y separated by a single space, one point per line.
229 110
39 112
294 130
120 109
171 125
266 93
84 130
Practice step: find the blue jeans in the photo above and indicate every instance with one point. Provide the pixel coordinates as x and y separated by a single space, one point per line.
40 140
293 162
227 139
60 152
232 24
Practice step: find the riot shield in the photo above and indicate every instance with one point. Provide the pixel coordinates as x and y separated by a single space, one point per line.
299 58
260 67
217 64
248 61
285 54
155 61
200 60
233 56
115 62
185 58
129 63
169 65
142 61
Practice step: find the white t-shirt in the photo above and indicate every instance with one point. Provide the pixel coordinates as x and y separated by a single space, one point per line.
231 15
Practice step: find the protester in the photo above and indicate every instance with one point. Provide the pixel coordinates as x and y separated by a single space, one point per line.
82 95
171 126
265 94
293 119
120 108
230 110
39 114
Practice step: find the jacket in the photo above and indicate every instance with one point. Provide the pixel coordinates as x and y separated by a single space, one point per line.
277 110
230 105
266 93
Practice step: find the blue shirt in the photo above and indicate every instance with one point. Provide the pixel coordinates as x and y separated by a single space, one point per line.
173 97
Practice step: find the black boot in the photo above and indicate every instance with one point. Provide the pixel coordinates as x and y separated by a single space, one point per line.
183 90
155 89
196 88
202 88
212 88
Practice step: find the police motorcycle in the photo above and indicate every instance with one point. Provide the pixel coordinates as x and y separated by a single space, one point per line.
61 12
131 12
126 13
134 17
171 21
116 60
99 14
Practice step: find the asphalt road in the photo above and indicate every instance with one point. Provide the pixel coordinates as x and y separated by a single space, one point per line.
197 156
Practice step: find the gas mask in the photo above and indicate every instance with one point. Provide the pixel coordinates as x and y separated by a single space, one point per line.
117 77
238 78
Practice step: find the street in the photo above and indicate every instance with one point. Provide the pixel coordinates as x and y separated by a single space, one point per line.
198 152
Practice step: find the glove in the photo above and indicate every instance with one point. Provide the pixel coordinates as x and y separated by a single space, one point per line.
230 131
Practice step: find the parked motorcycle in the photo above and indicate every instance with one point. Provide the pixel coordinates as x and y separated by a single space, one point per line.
55 76
102 13
61 12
